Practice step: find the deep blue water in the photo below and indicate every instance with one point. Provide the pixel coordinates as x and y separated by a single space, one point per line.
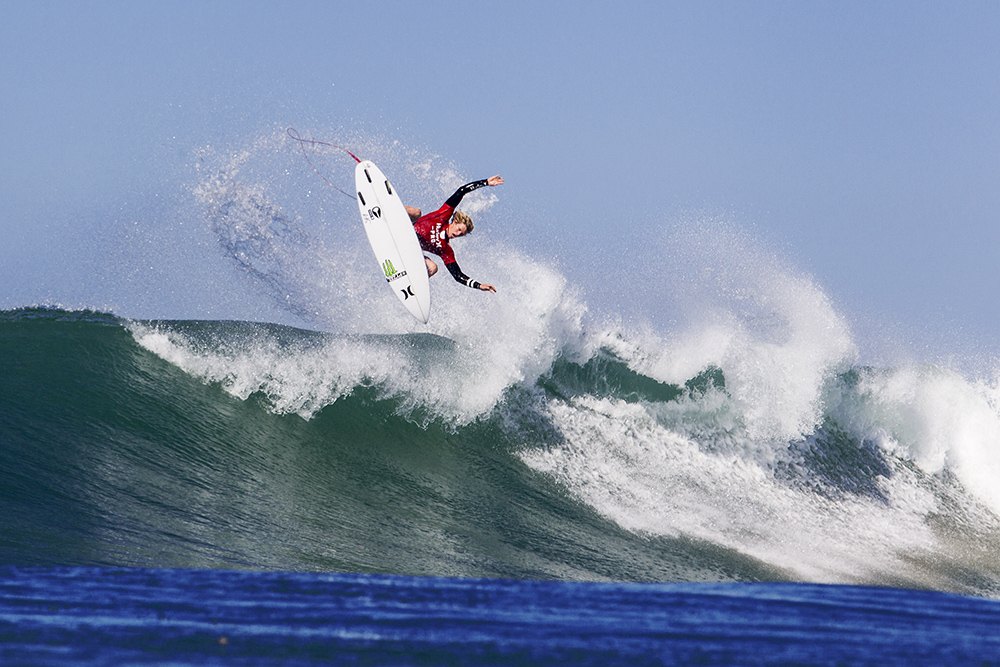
113 616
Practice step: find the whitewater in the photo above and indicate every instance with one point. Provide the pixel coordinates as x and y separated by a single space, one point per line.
523 434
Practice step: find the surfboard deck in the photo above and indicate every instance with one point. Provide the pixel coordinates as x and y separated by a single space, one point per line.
393 240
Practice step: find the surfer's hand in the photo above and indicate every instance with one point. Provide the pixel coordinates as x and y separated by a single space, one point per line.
487 288
495 180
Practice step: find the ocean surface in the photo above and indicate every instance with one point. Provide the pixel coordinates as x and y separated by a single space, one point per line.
518 482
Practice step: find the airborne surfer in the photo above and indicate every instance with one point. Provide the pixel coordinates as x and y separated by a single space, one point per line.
435 231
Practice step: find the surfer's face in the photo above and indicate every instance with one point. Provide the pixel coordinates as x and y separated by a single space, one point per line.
457 229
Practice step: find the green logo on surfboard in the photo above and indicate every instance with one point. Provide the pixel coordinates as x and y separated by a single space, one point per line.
388 268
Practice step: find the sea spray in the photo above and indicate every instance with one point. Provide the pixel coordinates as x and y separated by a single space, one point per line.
776 335
933 417
299 240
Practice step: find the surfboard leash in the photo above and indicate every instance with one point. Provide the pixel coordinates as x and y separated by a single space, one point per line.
294 134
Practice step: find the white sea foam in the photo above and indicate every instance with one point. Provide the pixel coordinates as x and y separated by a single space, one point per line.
489 343
620 459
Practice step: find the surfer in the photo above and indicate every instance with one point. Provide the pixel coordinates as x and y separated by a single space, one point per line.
435 231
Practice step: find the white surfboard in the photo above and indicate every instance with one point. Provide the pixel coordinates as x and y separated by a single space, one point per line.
393 240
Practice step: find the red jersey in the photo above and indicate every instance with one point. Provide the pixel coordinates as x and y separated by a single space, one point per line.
432 232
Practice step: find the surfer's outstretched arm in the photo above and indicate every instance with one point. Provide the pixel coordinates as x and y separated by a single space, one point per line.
469 187
466 280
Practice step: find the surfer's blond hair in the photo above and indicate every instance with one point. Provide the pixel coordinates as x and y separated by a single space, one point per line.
464 219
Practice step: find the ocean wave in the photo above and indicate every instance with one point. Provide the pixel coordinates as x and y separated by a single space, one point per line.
866 497
517 434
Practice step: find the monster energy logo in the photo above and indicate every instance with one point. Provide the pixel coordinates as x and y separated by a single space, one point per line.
391 273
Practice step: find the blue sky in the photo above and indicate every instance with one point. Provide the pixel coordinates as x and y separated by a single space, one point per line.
861 139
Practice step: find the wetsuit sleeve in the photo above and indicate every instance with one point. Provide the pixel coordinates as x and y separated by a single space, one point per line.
459 276
464 190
